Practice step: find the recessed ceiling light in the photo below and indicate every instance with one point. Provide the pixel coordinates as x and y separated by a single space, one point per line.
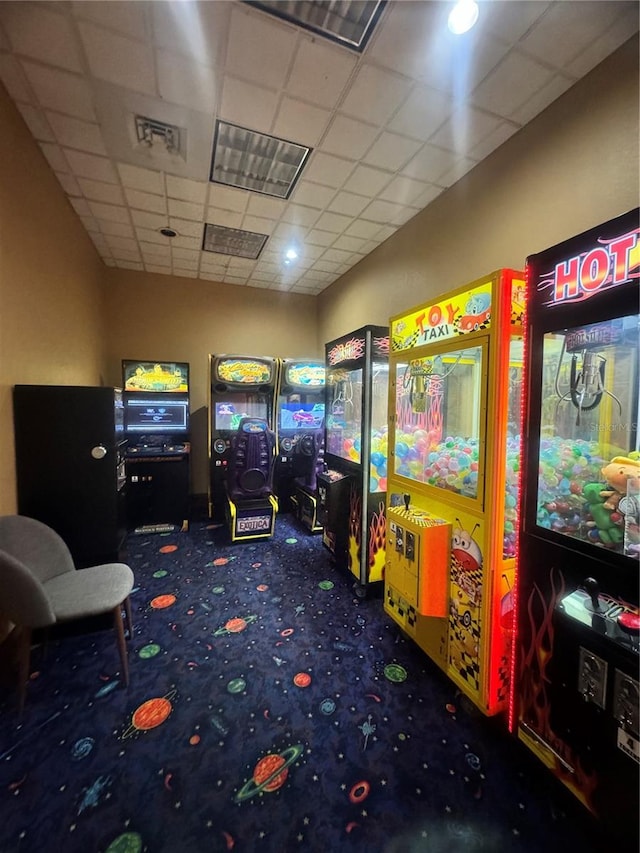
255 161
348 22
233 241
463 16
291 254
168 232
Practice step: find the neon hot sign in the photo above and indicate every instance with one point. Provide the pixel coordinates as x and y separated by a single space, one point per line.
585 274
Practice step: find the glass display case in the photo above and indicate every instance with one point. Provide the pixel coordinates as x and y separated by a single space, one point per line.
576 697
456 369
352 490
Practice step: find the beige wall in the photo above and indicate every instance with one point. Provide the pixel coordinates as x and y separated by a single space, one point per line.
158 317
573 167
51 308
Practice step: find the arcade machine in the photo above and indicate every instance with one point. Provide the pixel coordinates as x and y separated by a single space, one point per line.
242 388
156 405
300 434
454 439
576 696
351 491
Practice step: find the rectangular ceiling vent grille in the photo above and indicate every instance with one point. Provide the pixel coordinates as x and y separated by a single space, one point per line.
151 131
256 161
233 241
348 22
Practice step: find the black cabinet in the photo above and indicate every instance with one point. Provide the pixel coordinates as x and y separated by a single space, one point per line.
157 490
70 447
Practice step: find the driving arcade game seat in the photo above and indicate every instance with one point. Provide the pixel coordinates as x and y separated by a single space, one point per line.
308 462
251 503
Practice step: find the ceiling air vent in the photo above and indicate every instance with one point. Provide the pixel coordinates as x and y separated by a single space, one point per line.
150 132
255 161
233 241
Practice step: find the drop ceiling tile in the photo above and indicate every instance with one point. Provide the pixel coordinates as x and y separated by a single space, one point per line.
235 279
300 122
228 198
147 235
184 273
122 243
69 184
61 91
326 266
186 242
495 139
427 196
174 26
155 268
228 218
146 201
90 166
407 37
145 219
13 77
181 81
118 60
185 209
403 190
333 222
349 244
348 138
136 178
127 18
367 181
348 203
545 95
37 123
324 169
429 163
511 84
126 255
457 170
258 225
258 278
319 238
510 21
269 208
81 206
75 133
375 95
338 255
109 212
391 151
186 227
248 105
560 35
382 211
259 49
465 129
313 195
284 234
299 215
186 190
605 44
40 33
422 113
362 228
55 157
320 72
128 264
150 251
99 191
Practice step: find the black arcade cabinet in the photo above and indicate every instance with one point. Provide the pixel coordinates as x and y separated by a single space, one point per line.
156 401
577 693
300 437
240 386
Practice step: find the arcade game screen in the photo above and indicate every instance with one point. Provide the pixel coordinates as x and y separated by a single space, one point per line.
229 413
153 416
589 461
150 376
300 416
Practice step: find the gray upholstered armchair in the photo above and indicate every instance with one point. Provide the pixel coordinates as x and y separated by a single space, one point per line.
40 587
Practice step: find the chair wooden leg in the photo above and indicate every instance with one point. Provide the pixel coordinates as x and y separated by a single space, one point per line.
127 609
122 643
24 658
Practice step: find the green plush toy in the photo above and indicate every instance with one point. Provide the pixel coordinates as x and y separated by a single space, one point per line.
603 525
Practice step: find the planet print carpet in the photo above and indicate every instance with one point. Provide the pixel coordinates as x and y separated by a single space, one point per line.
269 709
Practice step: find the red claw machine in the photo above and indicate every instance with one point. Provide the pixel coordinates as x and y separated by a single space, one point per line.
351 492
456 370
576 698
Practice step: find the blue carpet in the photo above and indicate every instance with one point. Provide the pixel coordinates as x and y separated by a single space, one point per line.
269 709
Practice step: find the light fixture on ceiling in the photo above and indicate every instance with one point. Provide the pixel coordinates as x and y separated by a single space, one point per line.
290 255
463 16
233 241
255 161
348 22
168 232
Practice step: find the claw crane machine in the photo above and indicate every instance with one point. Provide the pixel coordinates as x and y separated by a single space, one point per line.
577 695
455 375
351 492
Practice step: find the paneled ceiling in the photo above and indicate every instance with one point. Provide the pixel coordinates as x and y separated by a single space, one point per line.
389 128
